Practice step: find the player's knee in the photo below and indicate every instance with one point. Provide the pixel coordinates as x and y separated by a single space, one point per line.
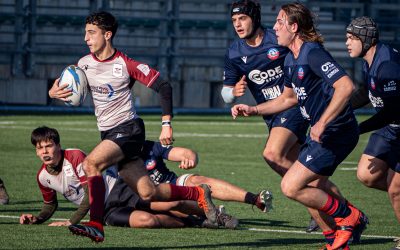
365 179
146 220
394 192
288 190
196 180
89 167
149 194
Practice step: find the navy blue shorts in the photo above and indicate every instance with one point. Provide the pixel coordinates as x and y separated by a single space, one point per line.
129 136
384 144
120 203
292 120
323 158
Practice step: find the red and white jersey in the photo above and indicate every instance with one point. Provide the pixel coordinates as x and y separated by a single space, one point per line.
71 179
110 83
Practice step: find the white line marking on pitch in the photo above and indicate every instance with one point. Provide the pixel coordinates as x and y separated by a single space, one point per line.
249 229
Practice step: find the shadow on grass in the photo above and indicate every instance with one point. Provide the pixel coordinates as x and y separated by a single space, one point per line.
269 223
267 243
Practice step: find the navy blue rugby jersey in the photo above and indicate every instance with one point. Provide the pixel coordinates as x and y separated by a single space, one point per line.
262 66
383 77
312 76
153 155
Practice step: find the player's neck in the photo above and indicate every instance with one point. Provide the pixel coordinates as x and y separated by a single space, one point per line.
256 40
105 53
295 46
369 56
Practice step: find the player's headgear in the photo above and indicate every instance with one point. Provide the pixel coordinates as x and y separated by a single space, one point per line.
251 9
366 30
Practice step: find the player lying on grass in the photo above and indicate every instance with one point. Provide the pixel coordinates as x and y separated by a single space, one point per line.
62 172
154 155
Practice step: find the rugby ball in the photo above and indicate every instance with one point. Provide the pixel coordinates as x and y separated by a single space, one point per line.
76 80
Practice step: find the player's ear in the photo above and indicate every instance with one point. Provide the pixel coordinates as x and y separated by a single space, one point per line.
294 27
108 35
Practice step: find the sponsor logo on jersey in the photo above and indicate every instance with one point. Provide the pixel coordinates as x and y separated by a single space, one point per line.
329 69
150 164
273 54
68 170
373 86
117 70
390 86
377 102
261 77
145 69
309 158
271 93
72 190
105 89
244 59
300 73
283 120
300 92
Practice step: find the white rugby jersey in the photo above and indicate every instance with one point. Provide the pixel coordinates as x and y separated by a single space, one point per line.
69 182
110 82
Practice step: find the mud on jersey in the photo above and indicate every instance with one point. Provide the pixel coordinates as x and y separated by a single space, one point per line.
110 82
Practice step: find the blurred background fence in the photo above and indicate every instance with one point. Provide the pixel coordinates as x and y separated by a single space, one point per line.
184 39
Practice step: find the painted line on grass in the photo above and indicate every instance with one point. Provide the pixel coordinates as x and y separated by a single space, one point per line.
249 229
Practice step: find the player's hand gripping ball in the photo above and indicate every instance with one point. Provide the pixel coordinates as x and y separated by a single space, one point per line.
76 81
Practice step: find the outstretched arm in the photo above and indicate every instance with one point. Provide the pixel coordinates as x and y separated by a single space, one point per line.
283 102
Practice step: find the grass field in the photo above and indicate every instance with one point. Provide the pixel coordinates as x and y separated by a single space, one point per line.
229 150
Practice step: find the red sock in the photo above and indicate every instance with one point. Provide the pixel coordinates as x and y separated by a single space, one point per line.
335 208
96 198
183 193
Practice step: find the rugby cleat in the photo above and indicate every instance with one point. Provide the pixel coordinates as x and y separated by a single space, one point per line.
91 229
205 202
345 227
225 220
397 246
264 201
359 229
312 226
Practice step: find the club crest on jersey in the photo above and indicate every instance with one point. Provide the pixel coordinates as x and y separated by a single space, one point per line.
150 164
300 73
145 69
373 86
117 70
273 54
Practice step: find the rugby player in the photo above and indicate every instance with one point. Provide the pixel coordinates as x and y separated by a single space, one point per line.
321 90
379 166
111 75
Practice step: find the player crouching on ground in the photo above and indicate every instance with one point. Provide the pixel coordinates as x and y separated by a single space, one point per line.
62 172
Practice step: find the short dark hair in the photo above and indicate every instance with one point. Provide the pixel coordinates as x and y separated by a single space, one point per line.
44 133
104 20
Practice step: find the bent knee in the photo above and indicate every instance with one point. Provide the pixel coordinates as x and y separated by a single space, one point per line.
148 195
145 220
288 189
366 179
90 167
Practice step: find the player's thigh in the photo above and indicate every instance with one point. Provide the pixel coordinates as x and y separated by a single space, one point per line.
281 141
135 175
371 169
105 154
297 177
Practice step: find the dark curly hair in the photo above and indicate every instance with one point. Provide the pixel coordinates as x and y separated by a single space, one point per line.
104 20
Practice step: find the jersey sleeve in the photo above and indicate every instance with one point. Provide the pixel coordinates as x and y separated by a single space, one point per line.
324 66
388 80
231 76
161 151
140 71
77 157
49 195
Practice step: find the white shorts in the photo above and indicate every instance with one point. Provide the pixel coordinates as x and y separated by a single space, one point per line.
181 180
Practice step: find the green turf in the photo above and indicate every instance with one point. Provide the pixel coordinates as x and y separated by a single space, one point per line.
229 150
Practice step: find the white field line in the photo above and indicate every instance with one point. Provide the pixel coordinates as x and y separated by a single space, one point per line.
249 229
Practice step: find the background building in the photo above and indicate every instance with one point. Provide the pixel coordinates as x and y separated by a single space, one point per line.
184 39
